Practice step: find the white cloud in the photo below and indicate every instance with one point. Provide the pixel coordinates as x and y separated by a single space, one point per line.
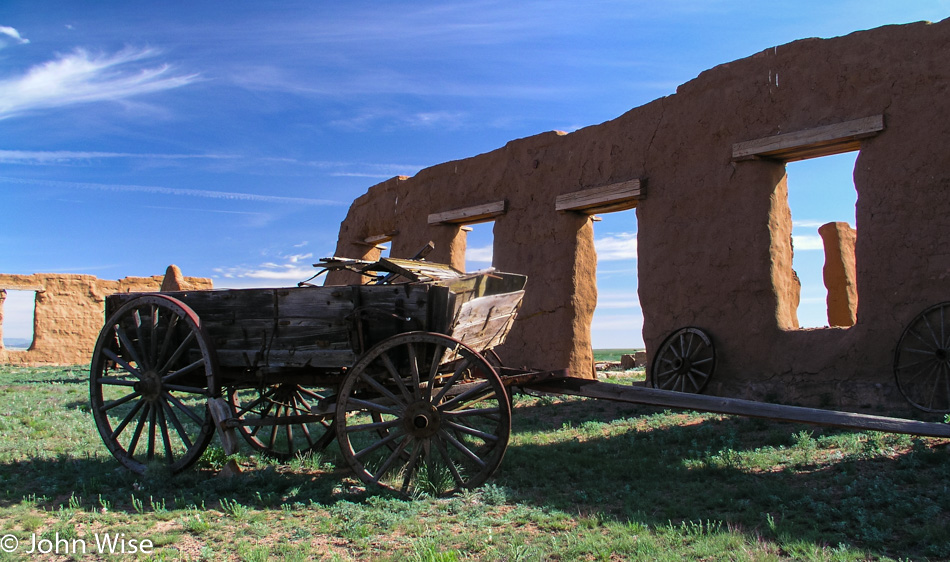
483 254
808 223
281 270
80 77
12 34
620 246
805 242
298 257
390 119
617 300
159 190
266 274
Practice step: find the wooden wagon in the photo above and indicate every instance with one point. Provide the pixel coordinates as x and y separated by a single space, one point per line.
400 371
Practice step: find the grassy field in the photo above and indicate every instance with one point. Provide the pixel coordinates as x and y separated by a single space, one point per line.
612 354
582 480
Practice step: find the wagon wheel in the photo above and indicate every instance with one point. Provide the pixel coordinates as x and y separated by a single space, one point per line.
153 370
922 360
684 362
288 407
407 422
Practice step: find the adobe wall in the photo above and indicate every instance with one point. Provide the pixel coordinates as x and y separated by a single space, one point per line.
69 313
715 234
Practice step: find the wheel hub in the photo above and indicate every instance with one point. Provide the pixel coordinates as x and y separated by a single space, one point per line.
682 365
422 419
150 386
942 354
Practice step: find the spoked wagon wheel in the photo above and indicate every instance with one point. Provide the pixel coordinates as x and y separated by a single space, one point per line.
278 420
153 370
409 422
922 360
684 362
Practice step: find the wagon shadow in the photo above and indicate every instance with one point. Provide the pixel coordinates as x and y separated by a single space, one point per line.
877 492
91 484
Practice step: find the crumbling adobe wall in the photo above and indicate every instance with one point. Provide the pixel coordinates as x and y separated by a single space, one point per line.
714 236
69 313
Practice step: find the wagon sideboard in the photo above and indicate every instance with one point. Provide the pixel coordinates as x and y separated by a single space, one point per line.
322 330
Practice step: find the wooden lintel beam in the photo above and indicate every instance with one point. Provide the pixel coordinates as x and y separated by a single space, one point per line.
811 143
470 215
379 238
604 199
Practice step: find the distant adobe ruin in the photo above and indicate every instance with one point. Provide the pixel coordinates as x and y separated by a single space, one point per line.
705 170
68 311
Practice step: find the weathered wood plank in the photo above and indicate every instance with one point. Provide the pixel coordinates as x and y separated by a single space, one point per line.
810 143
379 238
470 215
720 405
484 323
607 198
324 358
417 270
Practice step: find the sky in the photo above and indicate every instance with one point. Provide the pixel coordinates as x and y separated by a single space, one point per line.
229 138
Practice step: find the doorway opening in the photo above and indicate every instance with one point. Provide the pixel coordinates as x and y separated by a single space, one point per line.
18 312
822 195
617 327
479 245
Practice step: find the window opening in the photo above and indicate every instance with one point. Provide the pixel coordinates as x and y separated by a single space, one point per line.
617 327
18 313
479 245
821 191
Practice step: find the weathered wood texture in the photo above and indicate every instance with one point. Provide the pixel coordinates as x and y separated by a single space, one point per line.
484 323
470 215
810 143
720 405
604 199
380 238
305 328
414 270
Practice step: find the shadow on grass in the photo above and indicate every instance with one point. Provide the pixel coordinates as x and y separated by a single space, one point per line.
101 482
602 461
782 481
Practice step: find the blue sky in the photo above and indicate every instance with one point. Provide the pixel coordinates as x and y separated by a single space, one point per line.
229 138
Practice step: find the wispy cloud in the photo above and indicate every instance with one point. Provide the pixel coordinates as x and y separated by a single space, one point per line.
394 119
159 190
808 223
480 255
619 246
81 77
264 274
617 300
284 270
331 168
804 242
60 156
9 33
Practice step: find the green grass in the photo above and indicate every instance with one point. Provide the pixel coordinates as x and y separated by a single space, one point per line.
582 480
612 354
